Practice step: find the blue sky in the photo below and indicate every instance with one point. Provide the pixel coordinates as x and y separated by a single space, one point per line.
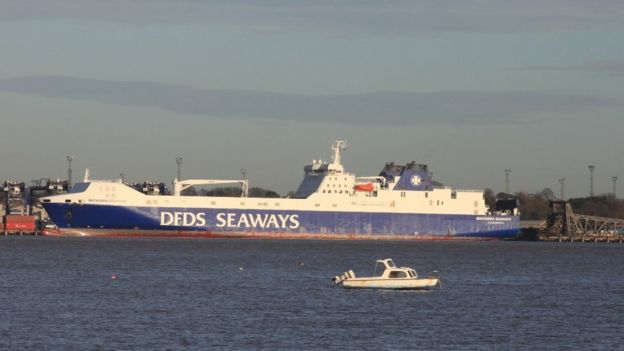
471 88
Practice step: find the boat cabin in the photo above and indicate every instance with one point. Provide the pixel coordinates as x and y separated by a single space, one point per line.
391 271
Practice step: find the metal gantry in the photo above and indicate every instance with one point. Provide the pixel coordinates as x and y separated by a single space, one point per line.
563 220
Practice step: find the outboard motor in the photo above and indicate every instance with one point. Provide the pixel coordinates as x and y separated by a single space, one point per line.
346 275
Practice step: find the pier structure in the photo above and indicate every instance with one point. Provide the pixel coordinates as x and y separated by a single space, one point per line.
563 224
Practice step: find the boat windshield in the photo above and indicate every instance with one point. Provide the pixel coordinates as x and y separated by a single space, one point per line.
397 274
391 263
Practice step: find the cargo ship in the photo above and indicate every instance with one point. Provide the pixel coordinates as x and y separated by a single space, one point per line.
401 203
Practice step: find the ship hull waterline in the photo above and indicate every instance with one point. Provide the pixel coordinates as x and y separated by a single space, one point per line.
141 233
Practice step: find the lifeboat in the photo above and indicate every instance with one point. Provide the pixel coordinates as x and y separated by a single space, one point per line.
364 187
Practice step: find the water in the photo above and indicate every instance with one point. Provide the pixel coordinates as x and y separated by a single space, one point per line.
60 294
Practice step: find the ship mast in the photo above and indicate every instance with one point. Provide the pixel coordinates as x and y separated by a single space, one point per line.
337 148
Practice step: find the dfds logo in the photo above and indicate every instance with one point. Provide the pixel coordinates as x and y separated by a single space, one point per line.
184 219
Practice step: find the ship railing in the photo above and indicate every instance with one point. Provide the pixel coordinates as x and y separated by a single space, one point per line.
459 190
105 181
469 190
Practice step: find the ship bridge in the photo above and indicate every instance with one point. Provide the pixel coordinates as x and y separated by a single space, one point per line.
319 173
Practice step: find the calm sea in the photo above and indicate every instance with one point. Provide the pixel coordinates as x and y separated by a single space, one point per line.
159 294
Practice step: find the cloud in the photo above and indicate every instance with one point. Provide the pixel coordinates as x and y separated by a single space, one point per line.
614 67
391 108
352 16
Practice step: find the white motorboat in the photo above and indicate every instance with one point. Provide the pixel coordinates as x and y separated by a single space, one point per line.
392 277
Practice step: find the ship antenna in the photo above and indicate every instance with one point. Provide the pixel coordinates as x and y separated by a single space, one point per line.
337 147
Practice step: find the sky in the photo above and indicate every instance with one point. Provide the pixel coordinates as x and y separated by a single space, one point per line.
470 88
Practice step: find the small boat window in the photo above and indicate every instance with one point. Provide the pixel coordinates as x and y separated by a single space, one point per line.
397 274
391 263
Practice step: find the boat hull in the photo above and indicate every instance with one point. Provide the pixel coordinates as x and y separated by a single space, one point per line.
105 220
394 284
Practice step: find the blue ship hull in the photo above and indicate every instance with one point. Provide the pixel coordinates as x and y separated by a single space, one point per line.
86 219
